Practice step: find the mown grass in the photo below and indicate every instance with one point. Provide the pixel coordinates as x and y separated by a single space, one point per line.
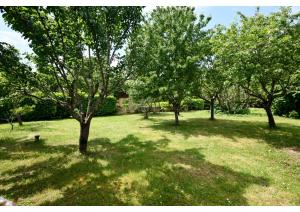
234 160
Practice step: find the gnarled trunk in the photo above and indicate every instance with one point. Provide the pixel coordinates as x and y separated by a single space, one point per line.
19 119
176 109
212 108
84 136
176 117
270 117
146 116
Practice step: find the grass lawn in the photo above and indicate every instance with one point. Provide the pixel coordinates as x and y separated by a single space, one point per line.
235 160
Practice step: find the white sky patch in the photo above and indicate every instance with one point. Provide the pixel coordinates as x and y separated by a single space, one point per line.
114 63
148 9
14 38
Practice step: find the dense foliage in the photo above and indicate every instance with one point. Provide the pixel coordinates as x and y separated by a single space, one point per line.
31 109
284 105
261 54
193 104
77 49
167 50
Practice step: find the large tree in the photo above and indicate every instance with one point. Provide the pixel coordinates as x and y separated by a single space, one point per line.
262 54
169 47
211 75
14 74
77 53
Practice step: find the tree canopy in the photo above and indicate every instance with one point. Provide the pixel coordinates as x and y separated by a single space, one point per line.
262 55
81 55
77 52
169 47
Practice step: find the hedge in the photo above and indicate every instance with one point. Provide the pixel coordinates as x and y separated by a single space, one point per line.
193 104
291 102
46 109
109 107
187 104
43 110
165 106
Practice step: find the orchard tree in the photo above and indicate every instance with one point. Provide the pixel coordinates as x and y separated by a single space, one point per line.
144 91
77 54
211 79
142 87
15 74
233 99
262 54
169 46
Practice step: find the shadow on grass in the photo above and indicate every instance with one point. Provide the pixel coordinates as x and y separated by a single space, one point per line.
285 135
129 172
30 126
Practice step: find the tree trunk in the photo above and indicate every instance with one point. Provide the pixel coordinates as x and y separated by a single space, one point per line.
270 117
11 124
176 117
212 108
19 120
146 114
176 109
84 136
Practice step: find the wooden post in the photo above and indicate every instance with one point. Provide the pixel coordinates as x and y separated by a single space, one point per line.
36 138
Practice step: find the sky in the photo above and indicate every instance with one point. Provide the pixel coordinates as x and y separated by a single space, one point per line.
220 15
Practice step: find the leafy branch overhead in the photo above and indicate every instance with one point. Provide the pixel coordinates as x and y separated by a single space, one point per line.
77 51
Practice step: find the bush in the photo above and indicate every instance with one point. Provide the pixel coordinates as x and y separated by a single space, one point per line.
165 106
283 106
108 107
242 111
43 110
193 104
294 114
61 112
5 107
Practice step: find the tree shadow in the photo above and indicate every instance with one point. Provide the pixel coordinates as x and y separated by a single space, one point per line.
129 172
30 126
16 148
285 135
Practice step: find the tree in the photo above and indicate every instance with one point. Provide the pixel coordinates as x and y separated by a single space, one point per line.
13 75
143 91
77 53
211 78
233 99
262 55
169 47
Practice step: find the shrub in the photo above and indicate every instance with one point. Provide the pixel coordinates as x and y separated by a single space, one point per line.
294 114
5 107
108 107
291 102
193 104
242 111
165 106
43 110
61 112
281 107
235 110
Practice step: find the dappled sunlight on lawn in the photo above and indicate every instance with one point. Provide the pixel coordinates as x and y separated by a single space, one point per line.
200 162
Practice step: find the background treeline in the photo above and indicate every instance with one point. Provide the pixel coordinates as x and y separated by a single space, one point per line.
32 109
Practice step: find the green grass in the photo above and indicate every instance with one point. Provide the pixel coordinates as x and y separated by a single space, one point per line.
234 160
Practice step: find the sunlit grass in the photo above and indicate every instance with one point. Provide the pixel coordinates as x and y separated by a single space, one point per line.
234 160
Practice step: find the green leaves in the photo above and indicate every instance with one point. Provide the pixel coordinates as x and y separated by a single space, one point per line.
260 53
168 48
77 49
